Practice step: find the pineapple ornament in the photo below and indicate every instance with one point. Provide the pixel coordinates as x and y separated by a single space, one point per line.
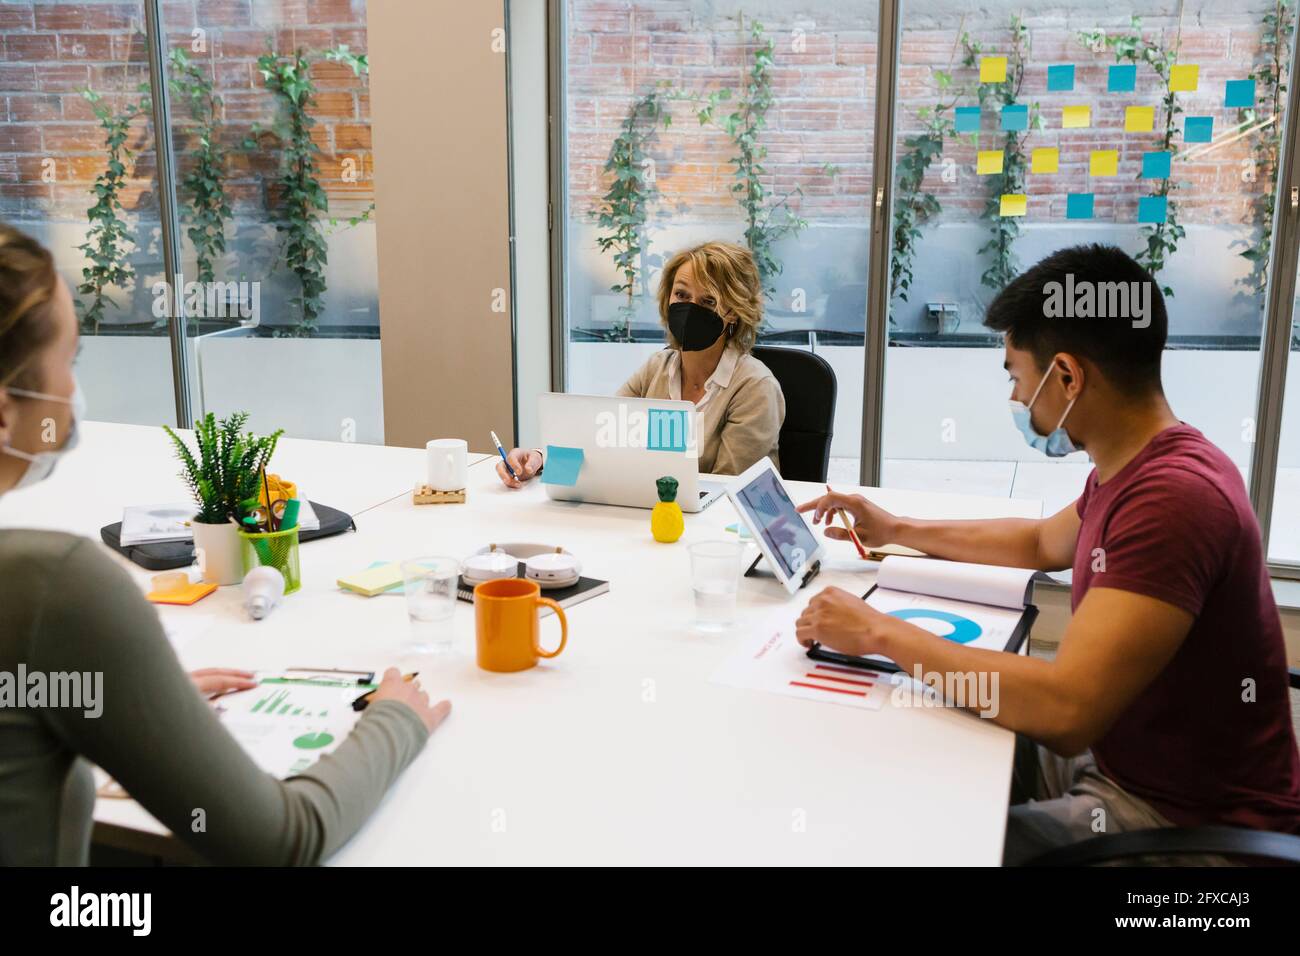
666 523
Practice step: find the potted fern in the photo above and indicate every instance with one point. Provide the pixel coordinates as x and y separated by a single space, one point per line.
224 480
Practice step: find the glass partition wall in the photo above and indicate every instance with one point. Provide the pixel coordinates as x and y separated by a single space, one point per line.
691 121
1018 129
267 106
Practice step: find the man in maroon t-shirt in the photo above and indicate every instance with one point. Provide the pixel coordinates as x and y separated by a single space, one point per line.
1167 703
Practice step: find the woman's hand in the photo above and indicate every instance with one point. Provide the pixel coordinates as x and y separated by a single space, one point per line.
526 462
842 622
874 526
410 693
217 681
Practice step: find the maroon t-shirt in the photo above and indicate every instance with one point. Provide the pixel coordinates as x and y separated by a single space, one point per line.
1175 524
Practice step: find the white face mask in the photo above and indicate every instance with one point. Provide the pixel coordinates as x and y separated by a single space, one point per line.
40 465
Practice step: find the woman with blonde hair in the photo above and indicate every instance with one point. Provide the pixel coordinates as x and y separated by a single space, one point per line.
67 609
711 305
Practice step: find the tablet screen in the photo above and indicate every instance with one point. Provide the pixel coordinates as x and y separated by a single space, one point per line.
782 527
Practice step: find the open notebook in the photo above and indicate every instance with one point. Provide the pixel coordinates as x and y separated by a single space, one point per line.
978 605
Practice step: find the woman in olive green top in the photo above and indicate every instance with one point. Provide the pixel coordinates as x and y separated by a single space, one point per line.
67 609
711 306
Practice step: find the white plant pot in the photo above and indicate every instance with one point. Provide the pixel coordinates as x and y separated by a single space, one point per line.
216 548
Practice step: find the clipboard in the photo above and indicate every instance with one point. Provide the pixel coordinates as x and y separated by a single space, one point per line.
883 665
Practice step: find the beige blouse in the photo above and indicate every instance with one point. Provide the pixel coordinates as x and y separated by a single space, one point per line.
739 416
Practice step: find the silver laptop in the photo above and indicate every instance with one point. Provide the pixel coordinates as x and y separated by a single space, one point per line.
627 444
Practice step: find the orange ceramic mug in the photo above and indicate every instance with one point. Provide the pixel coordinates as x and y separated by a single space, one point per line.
507 626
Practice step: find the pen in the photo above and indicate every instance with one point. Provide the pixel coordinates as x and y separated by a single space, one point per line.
290 519
502 452
848 526
361 702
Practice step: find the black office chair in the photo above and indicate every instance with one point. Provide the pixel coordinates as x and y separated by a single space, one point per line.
1237 843
808 383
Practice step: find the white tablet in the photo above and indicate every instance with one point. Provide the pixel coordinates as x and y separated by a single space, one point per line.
783 535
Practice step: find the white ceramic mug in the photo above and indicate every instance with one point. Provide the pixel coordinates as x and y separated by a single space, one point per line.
447 464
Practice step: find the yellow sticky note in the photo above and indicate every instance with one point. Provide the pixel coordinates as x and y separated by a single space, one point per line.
1184 78
988 162
1076 117
1139 119
1103 162
1013 204
993 69
1045 159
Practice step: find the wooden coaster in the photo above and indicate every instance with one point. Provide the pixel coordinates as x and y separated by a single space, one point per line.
424 495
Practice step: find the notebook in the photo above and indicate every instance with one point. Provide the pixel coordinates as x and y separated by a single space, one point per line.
976 605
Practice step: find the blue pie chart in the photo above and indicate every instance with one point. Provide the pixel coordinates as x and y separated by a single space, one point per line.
964 630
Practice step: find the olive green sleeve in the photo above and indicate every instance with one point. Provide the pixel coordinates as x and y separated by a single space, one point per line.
163 743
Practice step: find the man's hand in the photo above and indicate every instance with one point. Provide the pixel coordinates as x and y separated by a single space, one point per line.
875 526
842 622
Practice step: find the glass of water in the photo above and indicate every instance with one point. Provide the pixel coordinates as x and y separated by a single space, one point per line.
715 576
430 585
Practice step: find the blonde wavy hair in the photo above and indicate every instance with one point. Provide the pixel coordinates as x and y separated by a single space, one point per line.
726 272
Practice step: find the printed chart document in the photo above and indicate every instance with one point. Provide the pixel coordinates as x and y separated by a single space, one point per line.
978 605
287 724
772 660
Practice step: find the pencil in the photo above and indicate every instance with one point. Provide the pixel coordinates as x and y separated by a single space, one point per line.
848 526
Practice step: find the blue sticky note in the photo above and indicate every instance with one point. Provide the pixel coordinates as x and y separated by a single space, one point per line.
1122 78
967 119
562 465
1060 78
667 430
1198 129
1015 117
1156 165
1078 206
1239 94
1153 208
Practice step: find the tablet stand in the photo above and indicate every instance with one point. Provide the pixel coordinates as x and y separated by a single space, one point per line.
809 573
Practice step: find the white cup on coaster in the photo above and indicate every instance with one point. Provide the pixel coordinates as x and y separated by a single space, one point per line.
447 463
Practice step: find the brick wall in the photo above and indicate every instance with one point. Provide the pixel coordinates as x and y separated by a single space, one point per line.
825 96
49 51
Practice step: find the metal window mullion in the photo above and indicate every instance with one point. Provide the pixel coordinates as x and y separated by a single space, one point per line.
557 217
1276 345
169 226
882 191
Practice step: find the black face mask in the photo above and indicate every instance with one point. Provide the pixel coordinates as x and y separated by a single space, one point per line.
694 326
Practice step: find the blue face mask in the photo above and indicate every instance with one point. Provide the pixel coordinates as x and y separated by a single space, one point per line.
1055 445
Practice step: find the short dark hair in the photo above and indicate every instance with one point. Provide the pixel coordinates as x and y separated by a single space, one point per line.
1126 352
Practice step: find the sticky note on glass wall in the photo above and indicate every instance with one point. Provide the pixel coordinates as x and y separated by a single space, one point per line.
967 119
1060 78
562 466
1156 165
1239 94
993 69
1198 129
1184 78
1013 204
1078 206
1076 117
1139 119
1045 159
988 162
1015 117
1122 78
1152 209
1103 162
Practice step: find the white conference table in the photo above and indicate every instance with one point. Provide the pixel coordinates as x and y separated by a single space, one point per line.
621 750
